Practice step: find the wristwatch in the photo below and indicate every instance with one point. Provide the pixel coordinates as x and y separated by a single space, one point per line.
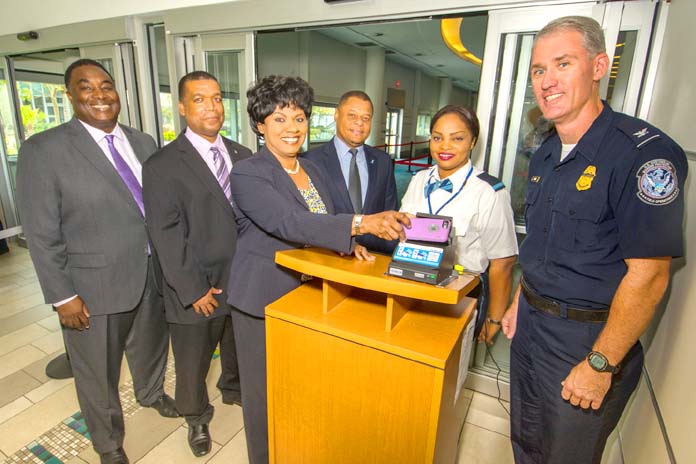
600 363
357 222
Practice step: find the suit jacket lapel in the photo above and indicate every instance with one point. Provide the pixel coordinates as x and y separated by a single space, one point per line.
232 150
335 174
193 160
137 147
281 179
90 150
371 174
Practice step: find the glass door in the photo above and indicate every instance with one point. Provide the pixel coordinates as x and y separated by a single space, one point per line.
119 60
392 133
512 125
33 99
230 58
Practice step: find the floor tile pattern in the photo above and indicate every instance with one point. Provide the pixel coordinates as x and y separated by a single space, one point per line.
30 401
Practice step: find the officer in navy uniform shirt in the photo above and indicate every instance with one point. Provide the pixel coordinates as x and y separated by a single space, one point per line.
604 212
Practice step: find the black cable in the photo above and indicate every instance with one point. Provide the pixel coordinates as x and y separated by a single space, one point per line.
499 370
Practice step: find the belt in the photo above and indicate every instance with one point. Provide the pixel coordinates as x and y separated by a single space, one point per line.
553 307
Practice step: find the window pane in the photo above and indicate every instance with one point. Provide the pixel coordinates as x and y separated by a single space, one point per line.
322 126
225 66
423 125
40 107
621 69
6 119
168 131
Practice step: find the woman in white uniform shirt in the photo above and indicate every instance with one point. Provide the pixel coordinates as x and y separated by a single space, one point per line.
479 205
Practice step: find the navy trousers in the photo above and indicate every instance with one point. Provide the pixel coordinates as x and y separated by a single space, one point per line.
546 429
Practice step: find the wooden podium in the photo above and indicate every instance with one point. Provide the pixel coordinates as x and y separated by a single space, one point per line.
363 367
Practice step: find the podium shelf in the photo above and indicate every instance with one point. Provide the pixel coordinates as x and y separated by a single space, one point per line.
349 271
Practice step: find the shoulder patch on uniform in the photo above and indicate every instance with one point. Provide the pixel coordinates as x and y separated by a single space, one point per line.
657 182
639 131
495 183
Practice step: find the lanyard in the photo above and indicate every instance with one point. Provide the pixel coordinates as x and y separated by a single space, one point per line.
466 179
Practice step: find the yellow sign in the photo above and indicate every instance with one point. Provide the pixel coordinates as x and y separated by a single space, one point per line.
585 180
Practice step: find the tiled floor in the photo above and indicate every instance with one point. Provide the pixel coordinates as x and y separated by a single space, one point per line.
40 420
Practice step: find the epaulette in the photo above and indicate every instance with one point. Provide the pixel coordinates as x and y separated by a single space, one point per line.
495 183
640 132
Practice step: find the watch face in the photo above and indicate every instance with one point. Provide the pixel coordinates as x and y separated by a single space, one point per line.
597 361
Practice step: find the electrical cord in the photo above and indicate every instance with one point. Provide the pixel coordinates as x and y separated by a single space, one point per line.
498 369
497 384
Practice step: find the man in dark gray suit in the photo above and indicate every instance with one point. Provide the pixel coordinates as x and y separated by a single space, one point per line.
187 197
362 176
80 199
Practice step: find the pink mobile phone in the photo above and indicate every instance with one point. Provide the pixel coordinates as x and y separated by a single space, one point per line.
428 229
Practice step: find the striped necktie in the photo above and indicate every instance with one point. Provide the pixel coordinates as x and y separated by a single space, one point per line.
221 173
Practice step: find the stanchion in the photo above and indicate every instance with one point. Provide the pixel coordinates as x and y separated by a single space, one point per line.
59 367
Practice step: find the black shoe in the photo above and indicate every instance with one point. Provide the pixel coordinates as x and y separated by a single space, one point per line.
231 397
114 457
199 439
165 406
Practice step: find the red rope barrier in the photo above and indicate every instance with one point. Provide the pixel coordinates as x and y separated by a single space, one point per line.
401 144
408 160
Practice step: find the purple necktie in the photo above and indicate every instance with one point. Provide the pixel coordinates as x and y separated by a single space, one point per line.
221 172
126 174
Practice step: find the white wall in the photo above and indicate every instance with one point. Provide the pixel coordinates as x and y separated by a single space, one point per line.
673 100
334 67
279 53
20 15
23 15
671 348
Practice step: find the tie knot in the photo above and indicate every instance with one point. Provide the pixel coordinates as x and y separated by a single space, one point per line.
216 152
109 139
353 152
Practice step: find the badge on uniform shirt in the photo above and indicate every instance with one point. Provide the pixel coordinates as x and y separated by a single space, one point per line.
585 180
657 182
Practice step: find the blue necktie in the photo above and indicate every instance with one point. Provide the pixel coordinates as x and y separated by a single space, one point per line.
126 174
444 184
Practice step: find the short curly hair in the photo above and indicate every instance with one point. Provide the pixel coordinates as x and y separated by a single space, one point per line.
273 92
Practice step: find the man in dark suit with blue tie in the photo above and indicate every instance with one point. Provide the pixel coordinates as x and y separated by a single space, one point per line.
80 198
362 176
186 190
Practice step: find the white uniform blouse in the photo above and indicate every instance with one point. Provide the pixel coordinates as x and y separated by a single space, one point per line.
482 216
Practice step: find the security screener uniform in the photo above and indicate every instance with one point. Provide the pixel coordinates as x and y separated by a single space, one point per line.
481 214
617 195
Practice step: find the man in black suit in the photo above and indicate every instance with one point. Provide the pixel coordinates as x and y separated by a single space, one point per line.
186 191
80 198
363 176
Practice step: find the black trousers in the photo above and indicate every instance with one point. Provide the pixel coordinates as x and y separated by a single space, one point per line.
250 337
96 355
228 383
546 429
193 346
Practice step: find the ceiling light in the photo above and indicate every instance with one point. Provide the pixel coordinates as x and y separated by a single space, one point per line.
449 29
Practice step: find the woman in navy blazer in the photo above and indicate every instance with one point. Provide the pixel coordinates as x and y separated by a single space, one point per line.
281 202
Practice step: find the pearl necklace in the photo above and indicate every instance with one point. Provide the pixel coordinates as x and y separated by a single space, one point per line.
295 170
